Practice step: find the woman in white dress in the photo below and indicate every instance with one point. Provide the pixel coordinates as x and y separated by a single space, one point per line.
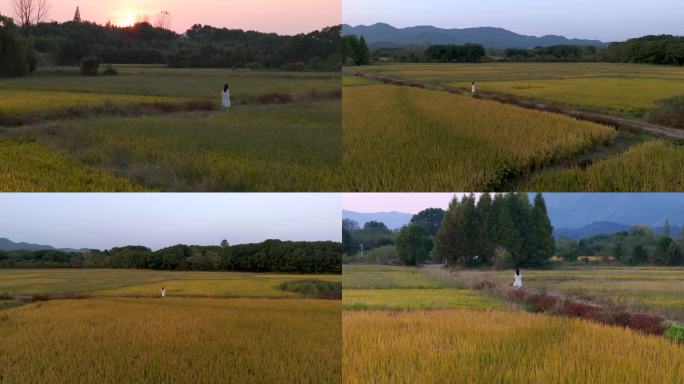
473 89
518 279
163 292
225 97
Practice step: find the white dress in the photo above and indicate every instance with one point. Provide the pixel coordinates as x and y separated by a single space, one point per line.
225 99
473 89
518 281
163 292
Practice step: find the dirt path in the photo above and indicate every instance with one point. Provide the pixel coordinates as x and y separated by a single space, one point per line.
618 122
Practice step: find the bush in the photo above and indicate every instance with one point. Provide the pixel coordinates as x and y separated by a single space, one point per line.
90 66
110 71
676 333
314 288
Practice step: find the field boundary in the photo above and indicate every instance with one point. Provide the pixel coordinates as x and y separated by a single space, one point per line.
617 122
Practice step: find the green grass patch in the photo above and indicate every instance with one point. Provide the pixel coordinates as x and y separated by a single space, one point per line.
676 333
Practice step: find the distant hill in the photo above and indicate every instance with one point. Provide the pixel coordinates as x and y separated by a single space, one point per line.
393 220
576 210
383 35
9 245
607 228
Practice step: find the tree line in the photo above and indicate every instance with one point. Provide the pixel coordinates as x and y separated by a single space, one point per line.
468 53
68 43
503 231
638 246
268 256
355 51
661 50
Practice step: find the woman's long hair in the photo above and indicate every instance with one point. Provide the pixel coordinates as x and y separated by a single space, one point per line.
225 87
517 272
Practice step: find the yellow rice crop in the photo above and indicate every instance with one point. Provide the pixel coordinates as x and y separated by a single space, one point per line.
414 299
654 166
171 340
462 346
31 167
398 139
16 101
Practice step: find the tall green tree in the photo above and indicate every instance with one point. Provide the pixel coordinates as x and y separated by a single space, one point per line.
430 218
544 241
13 53
414 244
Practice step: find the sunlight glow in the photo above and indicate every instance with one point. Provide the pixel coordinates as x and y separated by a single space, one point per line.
126 17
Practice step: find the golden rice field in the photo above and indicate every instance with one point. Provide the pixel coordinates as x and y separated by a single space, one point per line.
30 166
654 166
190 83
499 347
399 139
621 88
259 145
416 299
359 276
143 283
171 340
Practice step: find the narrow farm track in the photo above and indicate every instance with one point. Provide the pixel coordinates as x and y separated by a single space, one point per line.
618 122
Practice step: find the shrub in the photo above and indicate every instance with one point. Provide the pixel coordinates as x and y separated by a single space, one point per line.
675 332
649 323
110 71
314 288
90 66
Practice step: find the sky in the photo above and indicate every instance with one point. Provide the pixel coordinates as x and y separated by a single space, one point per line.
157 220
606 20
284 17
399 202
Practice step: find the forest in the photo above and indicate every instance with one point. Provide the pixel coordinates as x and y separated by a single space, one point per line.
268 256
638 246
68 43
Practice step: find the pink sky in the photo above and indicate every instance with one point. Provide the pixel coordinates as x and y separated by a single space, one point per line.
400 202
284 17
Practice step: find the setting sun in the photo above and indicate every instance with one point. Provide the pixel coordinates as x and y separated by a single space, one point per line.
126 17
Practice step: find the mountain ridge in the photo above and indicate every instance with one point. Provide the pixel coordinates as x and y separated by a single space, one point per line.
383 35
9 245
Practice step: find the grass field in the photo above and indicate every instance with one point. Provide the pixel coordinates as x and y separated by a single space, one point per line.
176 340
654 166
150 126
473 346
398 139
627 89
372 287
656 289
